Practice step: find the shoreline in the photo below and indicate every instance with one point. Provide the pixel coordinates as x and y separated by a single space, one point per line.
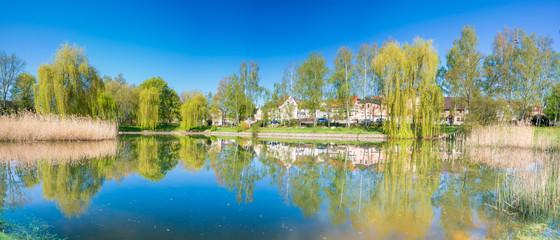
301 136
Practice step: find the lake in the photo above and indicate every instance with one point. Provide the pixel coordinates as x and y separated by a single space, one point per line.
200 188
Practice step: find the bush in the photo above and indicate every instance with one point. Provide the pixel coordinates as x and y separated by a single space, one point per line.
214 128
242 127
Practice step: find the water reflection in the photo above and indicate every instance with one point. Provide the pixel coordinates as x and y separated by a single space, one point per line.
397 189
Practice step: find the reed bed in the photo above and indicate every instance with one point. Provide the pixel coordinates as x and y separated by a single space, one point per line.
510 158
34 127
56 152
531 193
515 137
529 180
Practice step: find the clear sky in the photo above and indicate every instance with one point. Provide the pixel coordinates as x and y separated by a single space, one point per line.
193 44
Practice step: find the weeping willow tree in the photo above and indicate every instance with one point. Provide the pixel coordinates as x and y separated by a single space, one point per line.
70 85
148 108
194 109
414 101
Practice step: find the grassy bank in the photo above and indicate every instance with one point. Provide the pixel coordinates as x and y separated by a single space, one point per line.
161 128
35 127
307 130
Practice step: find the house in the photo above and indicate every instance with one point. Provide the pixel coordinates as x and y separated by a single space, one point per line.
454 114
370 108
289 107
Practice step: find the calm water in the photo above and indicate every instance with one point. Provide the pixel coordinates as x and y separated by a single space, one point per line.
193 188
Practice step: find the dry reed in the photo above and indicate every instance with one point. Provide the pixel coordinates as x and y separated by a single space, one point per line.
515 137
34 127
56 152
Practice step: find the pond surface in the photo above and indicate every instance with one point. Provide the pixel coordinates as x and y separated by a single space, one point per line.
196 188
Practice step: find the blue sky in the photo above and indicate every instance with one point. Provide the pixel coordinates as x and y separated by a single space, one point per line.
193 44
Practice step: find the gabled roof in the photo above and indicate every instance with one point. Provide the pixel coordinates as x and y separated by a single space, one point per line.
372 99
284 99
339 102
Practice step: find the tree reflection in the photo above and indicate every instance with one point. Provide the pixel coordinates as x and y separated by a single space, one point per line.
192 153
236 169
155 158
396 189
72 185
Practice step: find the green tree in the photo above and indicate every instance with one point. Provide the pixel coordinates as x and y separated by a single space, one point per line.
310 82
364 72
148 108
498 66
126 99
286 88
412 94
168 100
22 92
194 109
528 70
69 85
219 101
10 68
342 79
553 104
464 67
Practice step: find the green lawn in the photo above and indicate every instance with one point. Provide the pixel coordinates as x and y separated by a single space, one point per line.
307 130
160 128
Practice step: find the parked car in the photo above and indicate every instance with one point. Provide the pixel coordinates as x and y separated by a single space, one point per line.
367 121
322 120
274 122
379 120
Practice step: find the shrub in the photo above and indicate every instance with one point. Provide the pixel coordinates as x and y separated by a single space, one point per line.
214 128
244 126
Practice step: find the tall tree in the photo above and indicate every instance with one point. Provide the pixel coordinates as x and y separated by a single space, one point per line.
219 101
10 68
528 70
169 101
148 108
549 64
194 109
464 67
126 99
22 92
412 94
498 67
69 85
310 81
553 102
364 61
343 80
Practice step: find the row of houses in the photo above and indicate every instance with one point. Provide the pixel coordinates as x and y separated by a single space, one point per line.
361 109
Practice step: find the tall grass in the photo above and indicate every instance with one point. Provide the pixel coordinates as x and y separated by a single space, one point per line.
531 192
34 127
528 183
516 137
